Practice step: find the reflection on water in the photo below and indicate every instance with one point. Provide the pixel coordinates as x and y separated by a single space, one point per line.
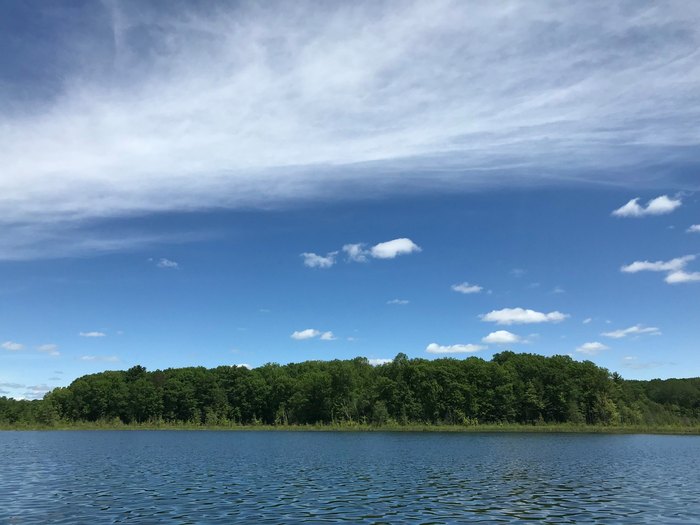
290 477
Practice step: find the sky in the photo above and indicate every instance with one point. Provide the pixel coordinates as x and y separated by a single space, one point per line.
185 184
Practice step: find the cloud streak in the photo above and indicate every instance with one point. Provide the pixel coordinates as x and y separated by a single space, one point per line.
674 268
251 105
508 316
434 348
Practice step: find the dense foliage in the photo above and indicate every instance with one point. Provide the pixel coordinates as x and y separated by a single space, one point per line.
511 388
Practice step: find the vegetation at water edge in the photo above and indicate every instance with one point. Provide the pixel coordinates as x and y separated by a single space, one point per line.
509 392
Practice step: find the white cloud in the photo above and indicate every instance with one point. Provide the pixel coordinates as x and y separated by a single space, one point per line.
632 330
695 228
658 206
502 337
244 365
558 289
92 334
681 276
100 358
592 348
309 333
508 316
50 349
394 248
434 348
356 252
466 288
167 263
658 266
312 333
313 260
398 301
12 346
587 320
379 361
675 269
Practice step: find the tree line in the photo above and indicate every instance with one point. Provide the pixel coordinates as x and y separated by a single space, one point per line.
510 388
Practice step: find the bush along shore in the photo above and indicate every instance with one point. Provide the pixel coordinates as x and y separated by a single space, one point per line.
510 393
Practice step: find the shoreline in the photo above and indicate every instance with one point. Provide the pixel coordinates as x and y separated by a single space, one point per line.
458 429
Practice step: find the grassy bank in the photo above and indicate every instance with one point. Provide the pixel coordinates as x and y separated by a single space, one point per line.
344 427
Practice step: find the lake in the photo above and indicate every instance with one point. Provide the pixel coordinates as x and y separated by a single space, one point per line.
321 477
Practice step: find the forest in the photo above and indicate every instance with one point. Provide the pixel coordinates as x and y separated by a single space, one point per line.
510 388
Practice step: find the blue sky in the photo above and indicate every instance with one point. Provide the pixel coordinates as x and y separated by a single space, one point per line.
187 186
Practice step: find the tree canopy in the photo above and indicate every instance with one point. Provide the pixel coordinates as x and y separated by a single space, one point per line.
510 388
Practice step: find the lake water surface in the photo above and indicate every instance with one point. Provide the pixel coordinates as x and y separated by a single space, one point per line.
318 477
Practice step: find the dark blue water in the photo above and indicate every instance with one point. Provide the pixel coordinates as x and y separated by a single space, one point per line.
292 477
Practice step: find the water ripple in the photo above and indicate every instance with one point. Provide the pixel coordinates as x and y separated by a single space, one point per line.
266 477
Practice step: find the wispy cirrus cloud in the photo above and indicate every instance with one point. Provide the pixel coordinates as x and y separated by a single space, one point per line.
92 334
635 330
50 349
100 358
167 263
12 346
153 109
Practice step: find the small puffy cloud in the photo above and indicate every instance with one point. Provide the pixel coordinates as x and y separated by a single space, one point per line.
466 288
301 335
681 276
434 348
508 316
244 365
167 263
394 248
398 301
632 330
558 289
50 349
92 334
674 268
356 252
312 333
658 266
658 206
100 358
695 228
592 348
587 320
502 337
313 260
518 272
379 361
12 346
